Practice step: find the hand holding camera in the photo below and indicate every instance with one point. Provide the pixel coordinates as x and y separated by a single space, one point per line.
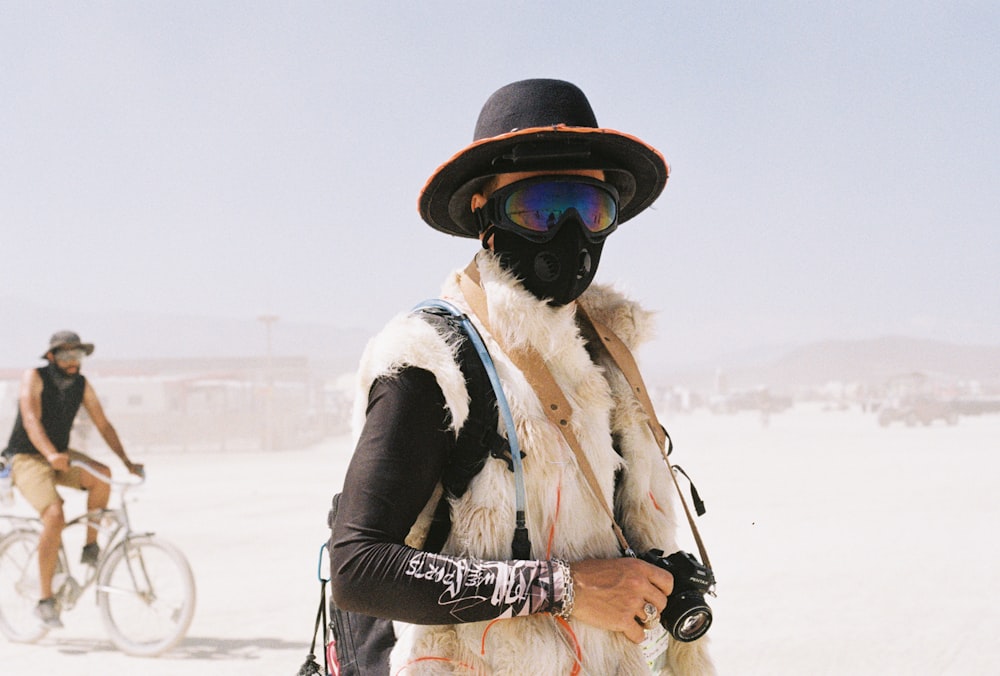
609 592
687 617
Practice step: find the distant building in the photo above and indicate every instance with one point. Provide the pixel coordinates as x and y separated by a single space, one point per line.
190 404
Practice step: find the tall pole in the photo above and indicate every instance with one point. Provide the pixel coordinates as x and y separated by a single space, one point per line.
268 321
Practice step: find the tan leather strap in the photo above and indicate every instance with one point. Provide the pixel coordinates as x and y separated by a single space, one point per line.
557 408
625 362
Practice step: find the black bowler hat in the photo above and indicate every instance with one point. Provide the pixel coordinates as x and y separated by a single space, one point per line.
540 125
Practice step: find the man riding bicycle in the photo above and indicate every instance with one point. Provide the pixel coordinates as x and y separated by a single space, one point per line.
49 399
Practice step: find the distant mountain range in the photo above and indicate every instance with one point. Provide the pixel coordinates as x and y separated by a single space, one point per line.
869 362
24 332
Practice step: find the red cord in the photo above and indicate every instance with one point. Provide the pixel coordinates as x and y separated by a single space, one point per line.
576 645
552 529
432 659
482 644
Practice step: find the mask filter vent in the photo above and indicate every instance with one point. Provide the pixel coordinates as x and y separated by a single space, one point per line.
558 270
547 266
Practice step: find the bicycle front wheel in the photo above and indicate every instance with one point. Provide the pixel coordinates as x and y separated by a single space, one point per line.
146 595
19 587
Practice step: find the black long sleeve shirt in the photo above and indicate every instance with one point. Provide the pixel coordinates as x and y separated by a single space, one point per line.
399 459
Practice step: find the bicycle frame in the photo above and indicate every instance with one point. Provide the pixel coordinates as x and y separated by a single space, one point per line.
112 523
138 576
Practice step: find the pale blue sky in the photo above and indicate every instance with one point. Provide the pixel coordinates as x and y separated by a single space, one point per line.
835 165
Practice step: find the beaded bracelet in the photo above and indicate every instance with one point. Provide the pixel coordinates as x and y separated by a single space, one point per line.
566 606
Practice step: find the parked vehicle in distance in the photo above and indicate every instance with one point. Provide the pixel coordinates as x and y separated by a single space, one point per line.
917 409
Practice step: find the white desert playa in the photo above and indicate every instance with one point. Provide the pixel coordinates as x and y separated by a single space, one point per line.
840 547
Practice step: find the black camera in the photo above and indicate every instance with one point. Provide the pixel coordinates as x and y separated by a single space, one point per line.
687 617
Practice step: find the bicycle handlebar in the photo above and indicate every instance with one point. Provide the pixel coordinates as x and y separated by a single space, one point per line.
138 481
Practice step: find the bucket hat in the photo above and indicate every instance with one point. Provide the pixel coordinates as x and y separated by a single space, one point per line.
540 125
68 339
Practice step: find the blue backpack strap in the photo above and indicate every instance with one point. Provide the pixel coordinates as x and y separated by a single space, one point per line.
361 643
521 545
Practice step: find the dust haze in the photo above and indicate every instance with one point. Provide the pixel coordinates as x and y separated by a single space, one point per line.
822 265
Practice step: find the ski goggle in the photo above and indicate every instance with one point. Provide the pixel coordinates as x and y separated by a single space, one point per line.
75 355
536 207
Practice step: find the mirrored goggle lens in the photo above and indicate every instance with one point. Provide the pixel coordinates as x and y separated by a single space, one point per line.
76 354
540 207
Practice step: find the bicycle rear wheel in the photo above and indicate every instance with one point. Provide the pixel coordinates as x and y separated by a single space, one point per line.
19 587
146 595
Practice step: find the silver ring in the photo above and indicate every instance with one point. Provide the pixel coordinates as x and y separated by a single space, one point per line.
652 614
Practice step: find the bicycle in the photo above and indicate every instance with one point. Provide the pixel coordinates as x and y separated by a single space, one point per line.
144 585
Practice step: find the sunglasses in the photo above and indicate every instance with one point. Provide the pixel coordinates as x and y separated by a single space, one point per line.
536 207
70 355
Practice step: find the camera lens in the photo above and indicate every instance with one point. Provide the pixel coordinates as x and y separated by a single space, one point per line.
693 625
689 619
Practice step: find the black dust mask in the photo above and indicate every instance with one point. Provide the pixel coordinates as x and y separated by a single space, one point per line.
558 270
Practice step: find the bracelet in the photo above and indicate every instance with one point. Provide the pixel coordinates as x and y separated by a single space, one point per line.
565 608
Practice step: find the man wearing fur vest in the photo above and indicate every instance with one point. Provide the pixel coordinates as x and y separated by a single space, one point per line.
542 187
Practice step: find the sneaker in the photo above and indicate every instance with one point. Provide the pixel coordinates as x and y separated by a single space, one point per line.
48 612
90 554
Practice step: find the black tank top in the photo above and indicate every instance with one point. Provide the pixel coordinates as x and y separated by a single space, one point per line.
59 408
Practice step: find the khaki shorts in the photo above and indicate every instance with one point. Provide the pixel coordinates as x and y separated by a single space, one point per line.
35 478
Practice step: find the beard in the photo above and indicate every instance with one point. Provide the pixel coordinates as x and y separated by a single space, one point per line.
61 377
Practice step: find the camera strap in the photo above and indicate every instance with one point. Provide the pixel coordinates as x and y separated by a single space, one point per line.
554 402
626 363
559 411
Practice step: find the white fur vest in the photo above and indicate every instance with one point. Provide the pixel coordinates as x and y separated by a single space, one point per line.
564 519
